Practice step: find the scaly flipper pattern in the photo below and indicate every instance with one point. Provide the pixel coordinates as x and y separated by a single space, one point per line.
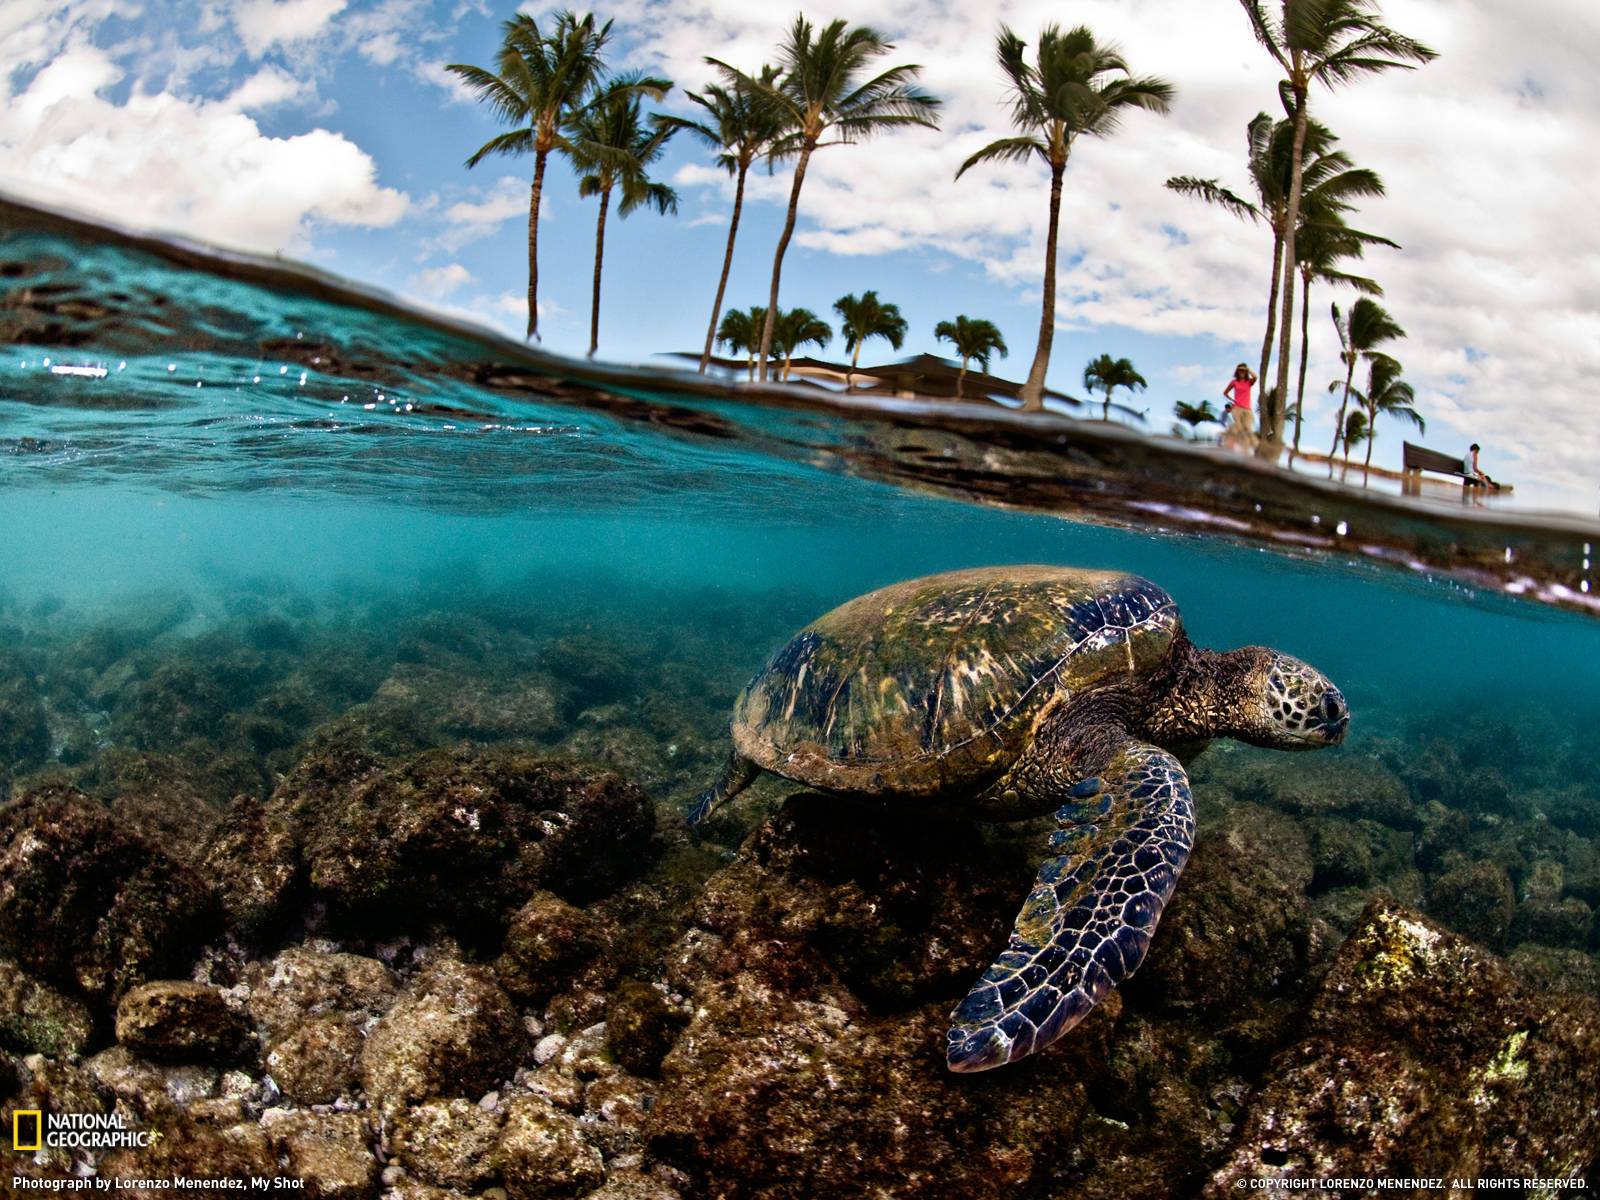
1124 836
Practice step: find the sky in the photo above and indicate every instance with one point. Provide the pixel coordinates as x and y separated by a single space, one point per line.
331 132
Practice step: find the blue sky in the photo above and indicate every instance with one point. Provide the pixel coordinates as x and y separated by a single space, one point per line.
328 130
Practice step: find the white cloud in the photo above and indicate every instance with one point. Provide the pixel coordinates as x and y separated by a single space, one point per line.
200 167
439 282
467 220
264 24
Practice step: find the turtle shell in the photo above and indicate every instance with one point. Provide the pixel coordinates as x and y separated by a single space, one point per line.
937 683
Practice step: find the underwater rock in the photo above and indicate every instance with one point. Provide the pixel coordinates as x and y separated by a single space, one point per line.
453 1033
304 982
543 1154
179 1021
641 1027
901 911
24 731
1336 784
1568 922
634 1185
117 909
173 802
1550 969
469 706
1237 933
1424 1052
177 702
1474 899
546 942
192 1150
255 858
156 1092
449 1143
465 835
766 1095
37 1019
327 1152
319 1062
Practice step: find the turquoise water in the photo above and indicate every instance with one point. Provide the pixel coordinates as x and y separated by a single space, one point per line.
245 509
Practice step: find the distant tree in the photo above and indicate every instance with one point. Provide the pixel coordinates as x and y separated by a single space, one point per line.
867 317
1075 87
1107 374
1329 185
741 123
1353 433
1387 394
822 91
1360 334
612 147
542 78
1196 415
740 331
1331 42
795 328
973 339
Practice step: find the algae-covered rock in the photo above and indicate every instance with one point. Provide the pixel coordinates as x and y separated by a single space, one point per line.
767 1095
641 1026
1475 899
307 981
464 835
155 1091
254 856
37 1019
453 1033
543 1153
1424 1052
190 1150
87 904
326 1152
546 942
448 1143
180 1021
319 1062
24 731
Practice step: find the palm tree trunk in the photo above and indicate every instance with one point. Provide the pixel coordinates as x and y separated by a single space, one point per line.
533 242
1372 436
750 367
1305 341
727 263
855 357
1033 390
1105 411
599 257
783 245
788 359
1272 442
1272 308
1338 428
961 377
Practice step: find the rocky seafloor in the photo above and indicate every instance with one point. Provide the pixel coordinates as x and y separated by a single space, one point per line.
391 895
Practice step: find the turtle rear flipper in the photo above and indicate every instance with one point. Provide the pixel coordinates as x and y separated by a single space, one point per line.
1125 834
737 774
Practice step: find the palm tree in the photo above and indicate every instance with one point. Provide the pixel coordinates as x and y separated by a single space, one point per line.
742 126
1196 415
1367 327
795 328
740 331
1329 182
1330 42
542 78
1353 433
973 338
1107 374
1321 247
822 91
612 147
1075 87
1389 394
860 319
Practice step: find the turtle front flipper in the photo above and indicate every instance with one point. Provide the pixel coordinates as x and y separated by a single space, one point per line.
737 774
1125 834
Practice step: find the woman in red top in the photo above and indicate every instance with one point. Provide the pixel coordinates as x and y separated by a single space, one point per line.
1242 427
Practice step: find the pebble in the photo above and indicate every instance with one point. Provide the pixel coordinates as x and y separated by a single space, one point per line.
548 1047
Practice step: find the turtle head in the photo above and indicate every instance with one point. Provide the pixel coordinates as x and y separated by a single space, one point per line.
1288 704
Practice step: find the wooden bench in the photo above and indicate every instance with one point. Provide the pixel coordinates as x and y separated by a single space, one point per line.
1417 459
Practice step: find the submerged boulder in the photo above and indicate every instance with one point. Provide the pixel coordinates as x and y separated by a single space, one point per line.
88 904
1424 1053
180 1021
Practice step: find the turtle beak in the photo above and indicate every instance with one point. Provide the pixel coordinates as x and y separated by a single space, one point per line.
1333 717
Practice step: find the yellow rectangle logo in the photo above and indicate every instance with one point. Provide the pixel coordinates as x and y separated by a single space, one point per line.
27 1129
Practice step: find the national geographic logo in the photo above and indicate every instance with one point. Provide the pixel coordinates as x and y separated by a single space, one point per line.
33 1129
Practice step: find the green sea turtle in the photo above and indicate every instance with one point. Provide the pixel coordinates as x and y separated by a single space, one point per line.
1006 692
